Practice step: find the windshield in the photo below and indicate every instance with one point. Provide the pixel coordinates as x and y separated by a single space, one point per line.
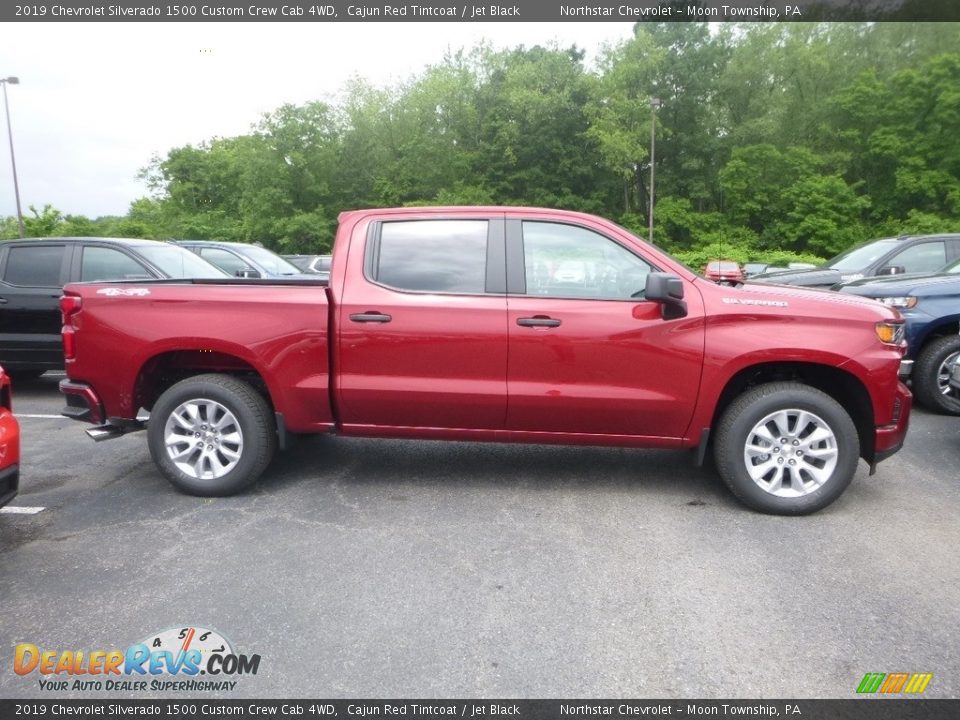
861 257
272 263
720 266
179 263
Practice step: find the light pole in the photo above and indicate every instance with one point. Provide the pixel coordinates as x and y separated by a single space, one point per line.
13 162
654 104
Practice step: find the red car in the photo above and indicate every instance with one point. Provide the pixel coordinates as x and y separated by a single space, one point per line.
724 272
9 444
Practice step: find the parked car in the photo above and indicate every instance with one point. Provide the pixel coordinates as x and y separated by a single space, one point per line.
316 264
432 327
9 444
754 268
887 256
570 272
724 272
930 305
952 266
34 271
242 259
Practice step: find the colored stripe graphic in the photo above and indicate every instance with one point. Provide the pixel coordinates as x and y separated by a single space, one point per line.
918 682
893 683
871 682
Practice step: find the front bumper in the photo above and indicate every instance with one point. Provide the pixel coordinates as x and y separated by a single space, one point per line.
888 439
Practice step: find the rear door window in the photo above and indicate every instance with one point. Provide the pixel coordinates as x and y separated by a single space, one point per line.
35 265
442 256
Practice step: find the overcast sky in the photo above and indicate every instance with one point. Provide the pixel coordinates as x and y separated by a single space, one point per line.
97 101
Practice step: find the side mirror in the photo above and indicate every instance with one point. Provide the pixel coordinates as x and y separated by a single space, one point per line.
891 270
248 272
667 290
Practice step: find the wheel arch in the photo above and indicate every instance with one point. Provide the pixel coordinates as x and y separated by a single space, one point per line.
842 386
935 330
165 369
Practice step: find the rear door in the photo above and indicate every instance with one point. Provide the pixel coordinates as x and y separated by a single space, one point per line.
422 324
587 353
33 275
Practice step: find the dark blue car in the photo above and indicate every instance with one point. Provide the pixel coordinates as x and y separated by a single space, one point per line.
930 304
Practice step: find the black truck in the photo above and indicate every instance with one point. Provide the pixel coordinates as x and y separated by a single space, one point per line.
34 271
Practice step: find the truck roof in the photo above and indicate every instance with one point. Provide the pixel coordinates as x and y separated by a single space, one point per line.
452 209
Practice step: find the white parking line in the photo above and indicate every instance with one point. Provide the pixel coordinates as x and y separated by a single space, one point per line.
47 417
14 510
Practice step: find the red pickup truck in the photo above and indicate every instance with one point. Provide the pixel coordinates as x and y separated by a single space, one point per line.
493 324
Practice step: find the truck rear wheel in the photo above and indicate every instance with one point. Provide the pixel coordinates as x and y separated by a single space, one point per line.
931 375
211 435
786 449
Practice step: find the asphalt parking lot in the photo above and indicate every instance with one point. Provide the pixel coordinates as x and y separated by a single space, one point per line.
364 568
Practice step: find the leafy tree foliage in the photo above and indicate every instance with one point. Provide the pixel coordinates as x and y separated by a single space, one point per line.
781 140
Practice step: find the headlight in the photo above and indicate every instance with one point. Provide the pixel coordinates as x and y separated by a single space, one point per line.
890 333
901 303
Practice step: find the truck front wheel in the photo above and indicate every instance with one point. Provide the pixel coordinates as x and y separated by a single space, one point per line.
786 448
211 435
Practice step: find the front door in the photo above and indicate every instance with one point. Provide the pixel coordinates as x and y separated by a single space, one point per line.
587 353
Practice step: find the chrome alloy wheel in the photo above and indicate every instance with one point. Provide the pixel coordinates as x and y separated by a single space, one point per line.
791 453
203 439
943 374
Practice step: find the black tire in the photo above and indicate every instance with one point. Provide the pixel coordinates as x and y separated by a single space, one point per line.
237 425
930 373
738 425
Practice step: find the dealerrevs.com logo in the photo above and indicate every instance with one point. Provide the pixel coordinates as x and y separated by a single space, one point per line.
170 660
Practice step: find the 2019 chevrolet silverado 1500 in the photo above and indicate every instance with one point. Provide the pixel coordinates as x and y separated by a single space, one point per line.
465 324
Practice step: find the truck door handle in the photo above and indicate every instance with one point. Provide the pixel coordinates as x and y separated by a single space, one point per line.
538 321
3 301
370 317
